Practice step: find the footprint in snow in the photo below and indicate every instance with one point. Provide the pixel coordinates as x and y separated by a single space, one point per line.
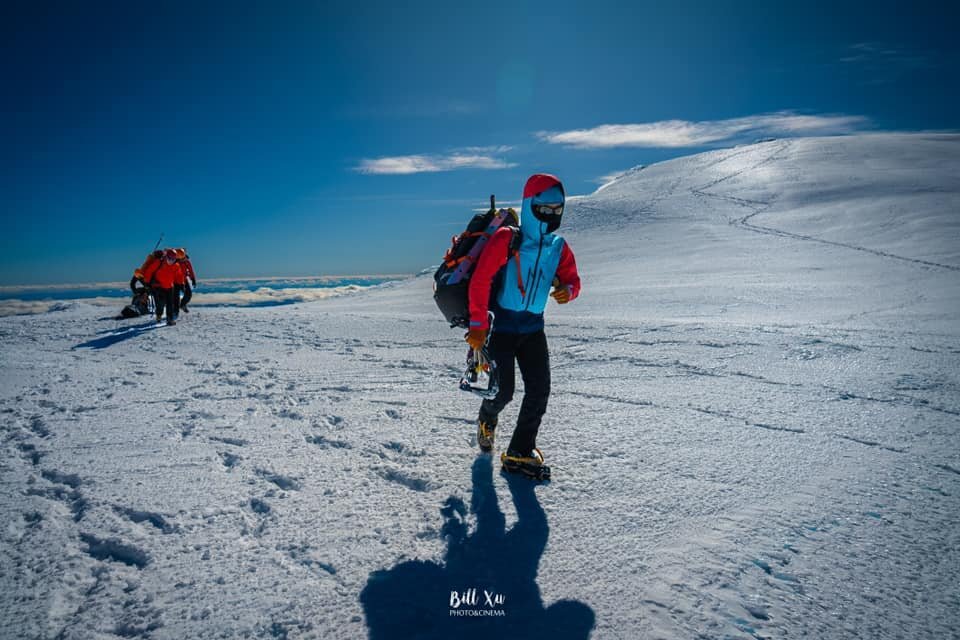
284 482
30 453
236 442
230 460
38 427
327 443
146 517
404 479
404 450
259 506
290 414
113 550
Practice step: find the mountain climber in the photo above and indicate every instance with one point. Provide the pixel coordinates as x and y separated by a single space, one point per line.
148 262
189 274
162 276
521 284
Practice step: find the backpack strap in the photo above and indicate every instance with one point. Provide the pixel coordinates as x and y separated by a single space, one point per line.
514 249
515 240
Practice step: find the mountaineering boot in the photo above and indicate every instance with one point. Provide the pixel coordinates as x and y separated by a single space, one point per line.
183 308
485 434
530 465
171 322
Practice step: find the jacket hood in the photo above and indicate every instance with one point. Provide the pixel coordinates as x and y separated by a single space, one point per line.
540 187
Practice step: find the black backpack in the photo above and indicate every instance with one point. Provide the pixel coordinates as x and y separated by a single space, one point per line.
139 306
451 282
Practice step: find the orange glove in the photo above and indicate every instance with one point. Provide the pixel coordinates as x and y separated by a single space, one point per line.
561 293
476 338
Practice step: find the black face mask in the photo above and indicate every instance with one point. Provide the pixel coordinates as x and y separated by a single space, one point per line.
549 213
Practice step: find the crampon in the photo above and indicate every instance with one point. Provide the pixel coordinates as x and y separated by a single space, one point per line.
531 466
480 378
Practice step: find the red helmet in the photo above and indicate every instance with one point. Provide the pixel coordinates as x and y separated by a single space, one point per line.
170 255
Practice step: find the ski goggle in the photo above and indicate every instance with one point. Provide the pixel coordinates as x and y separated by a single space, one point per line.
548 209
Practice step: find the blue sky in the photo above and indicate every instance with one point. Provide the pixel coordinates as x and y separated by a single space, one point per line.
311 138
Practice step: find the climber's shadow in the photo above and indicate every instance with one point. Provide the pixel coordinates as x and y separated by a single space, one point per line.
413 599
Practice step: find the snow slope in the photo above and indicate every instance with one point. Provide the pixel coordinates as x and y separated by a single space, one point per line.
754 433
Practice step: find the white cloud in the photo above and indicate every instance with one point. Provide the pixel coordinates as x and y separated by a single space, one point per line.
501 148
684 133
398 165
242 298
30 307
468 158
270 296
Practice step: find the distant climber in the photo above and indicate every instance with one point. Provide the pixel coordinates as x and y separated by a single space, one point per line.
139 305
162 276
190 278
152 258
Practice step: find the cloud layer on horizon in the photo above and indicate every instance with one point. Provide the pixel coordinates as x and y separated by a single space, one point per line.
262 296
684 133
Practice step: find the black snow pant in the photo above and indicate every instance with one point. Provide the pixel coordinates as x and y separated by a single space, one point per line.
164 299
187 295
530 352
177 292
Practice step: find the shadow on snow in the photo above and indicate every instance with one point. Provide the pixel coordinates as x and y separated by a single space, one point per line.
114 336
413 599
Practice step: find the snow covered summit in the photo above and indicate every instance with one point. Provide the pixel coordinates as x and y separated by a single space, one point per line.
789 230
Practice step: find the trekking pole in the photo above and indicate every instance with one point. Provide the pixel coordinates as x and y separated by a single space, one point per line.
158 243
493 203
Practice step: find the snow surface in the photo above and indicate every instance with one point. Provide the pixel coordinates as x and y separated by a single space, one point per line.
753 431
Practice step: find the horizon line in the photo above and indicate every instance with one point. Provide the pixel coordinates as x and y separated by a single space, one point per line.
97 285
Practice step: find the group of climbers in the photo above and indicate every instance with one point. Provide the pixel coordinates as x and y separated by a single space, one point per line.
168 277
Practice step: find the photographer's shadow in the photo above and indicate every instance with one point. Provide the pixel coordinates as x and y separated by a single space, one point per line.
414 599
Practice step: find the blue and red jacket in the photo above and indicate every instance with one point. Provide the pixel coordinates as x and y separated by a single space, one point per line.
524 280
